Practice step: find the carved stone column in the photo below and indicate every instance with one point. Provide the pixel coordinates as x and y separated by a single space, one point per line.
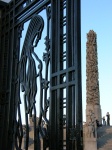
92 79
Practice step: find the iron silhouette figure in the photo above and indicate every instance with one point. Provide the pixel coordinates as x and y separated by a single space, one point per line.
29 75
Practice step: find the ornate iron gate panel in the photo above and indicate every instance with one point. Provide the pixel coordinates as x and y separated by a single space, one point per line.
66 105
56 76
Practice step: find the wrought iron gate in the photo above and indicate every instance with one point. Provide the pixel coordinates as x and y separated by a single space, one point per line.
56 76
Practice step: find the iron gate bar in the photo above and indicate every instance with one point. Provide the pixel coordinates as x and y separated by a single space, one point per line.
14 102
28 13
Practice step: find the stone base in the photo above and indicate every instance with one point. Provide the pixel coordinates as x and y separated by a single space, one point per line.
90 144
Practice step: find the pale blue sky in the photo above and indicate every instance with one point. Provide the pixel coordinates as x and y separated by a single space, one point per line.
97 15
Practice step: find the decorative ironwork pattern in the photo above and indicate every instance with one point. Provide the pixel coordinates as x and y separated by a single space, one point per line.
57 78
13 18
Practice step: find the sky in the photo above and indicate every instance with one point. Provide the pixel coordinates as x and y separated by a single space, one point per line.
97 15
7 1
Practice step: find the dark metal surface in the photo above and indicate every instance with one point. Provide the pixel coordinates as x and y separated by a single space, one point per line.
2 4
59 82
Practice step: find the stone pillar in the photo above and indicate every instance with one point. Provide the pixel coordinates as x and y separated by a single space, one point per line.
92 79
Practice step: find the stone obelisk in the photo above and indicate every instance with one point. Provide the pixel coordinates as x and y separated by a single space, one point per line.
92 79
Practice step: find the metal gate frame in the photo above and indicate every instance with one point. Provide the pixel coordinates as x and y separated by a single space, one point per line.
65 119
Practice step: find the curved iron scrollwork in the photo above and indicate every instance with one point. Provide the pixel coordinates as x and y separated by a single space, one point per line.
31 69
